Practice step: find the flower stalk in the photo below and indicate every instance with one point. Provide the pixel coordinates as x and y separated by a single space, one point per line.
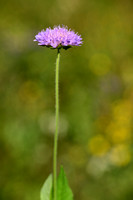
60 37
56 124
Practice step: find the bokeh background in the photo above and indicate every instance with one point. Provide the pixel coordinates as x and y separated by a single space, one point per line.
96 99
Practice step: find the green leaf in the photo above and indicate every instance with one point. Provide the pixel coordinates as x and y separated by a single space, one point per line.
46 191
63 190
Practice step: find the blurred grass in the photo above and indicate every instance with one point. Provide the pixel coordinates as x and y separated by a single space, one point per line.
96 84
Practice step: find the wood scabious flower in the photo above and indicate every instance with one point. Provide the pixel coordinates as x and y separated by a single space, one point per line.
58 37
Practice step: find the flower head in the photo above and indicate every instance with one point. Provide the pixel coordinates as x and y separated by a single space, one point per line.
58 37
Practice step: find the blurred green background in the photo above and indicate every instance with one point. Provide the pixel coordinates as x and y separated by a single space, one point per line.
96 95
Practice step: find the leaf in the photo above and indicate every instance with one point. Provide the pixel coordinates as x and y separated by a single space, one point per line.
46 191
63 190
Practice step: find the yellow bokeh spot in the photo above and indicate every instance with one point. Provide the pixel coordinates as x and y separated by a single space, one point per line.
122 110
100 64
98 145
119 129
118 133
121 135
120 155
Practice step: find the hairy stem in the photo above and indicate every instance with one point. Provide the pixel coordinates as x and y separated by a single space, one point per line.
57 125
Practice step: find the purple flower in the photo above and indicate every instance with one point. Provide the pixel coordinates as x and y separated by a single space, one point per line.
58 37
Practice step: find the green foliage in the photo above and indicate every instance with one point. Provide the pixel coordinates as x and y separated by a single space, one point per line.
46 191
63 190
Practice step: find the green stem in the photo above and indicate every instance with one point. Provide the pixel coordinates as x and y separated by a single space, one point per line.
57 125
